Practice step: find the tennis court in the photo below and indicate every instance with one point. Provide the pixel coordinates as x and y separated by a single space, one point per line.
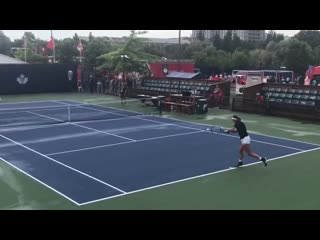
88 153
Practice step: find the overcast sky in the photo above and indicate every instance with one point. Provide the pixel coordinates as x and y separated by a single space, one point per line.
60 34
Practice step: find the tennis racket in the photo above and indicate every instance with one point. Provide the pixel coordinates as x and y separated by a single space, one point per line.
214 129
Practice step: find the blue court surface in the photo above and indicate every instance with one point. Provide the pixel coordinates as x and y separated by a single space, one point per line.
103 152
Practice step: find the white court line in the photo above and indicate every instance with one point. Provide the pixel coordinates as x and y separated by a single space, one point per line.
56 101
65 165
40 115
108 133
137 117
11 113
195 177
92 129
267 143
35 108
28 127
258 134
104 120
88 148
196 123
37 180
50 109
227 135
115 144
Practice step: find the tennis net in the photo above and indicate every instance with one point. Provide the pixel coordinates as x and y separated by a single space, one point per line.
11 118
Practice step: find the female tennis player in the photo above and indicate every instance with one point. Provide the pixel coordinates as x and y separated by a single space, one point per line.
240 128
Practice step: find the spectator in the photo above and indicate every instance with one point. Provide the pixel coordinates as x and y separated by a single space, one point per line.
268 78
91 83
272 79
268 109
79 84
106 84
288 80
113 86
123 93
220 97
130 82
212 97
216 95
99 86
116 87
259 98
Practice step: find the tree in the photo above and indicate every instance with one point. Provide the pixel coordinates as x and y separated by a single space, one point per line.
316 53
310 37
217 41
240 60
32 57
223 61
155 49
200 35
29 36
293 54
227 42
267 60
236 42
76 37
256 59
127 58
90 37
273 36
248 45
206 56
35 52
272 46
279 38
5 44
66 51
95 48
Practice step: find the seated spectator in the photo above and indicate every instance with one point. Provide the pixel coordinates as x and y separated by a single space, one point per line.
216 95
259 98
272 79
212 97
242 81
288 80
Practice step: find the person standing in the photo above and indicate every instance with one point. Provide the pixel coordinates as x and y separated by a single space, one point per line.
123 93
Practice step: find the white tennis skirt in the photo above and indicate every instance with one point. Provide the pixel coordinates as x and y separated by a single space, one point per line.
246 140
